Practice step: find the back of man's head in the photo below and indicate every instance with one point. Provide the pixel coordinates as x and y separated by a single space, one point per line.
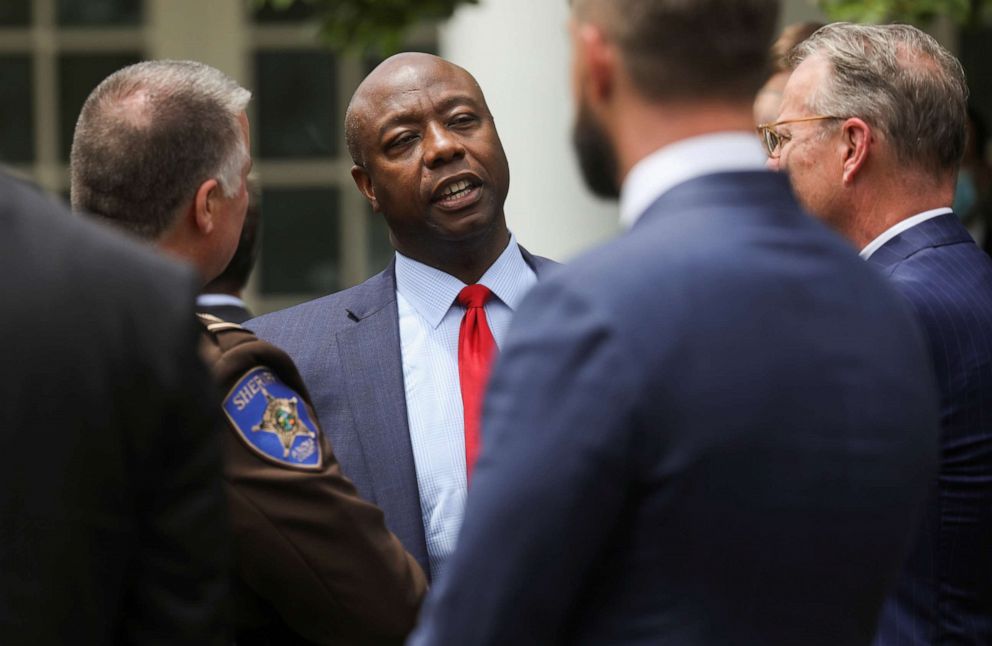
149 135
677 50
901 82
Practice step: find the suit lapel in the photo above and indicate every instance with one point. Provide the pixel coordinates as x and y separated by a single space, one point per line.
935 232
539 264
370 354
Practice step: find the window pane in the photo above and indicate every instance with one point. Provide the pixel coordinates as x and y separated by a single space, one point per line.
297 12
300 241
16 110
92 13
297 104
78 75
15 13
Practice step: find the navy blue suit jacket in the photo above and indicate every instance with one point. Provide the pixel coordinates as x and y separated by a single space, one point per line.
717 429
945 593
347 348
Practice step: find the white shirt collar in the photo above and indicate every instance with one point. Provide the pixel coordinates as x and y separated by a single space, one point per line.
684 160
431 291
898 228
212 300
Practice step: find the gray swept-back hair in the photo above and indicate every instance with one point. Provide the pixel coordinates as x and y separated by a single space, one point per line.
689 49
149 135
901 82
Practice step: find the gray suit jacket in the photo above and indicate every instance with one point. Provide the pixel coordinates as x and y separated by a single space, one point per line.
347 348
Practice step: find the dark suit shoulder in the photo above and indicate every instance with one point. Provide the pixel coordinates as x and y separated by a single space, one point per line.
86 250
130 478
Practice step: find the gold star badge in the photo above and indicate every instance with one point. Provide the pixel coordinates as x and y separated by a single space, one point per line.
282 419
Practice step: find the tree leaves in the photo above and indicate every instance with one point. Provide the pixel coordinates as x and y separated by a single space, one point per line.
371 26
967 13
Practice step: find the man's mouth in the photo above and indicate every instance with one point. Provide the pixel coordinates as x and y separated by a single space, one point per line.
458 195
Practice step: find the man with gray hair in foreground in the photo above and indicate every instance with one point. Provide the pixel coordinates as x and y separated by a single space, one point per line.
871 132
162 149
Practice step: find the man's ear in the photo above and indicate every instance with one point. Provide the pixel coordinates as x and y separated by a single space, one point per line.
598 59
364 184
205 205
857 139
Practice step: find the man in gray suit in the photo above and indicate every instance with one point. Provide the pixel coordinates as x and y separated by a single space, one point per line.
386 361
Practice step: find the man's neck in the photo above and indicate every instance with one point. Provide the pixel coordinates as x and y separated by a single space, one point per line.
466 260
875 212
643 128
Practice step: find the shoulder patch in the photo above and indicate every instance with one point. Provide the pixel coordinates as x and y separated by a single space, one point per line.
273 420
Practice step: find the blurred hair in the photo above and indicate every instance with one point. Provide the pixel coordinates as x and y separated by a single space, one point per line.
149 135
901 82
689 49
791 36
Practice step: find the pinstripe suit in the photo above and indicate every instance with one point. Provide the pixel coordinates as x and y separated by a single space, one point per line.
945 593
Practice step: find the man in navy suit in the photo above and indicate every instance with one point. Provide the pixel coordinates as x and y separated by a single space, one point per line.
382 359
717 429
872 130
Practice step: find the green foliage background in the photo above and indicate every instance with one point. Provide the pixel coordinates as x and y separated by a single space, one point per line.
379 26
372 26
968 13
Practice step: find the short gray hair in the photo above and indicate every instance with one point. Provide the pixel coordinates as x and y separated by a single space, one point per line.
901 82
149 135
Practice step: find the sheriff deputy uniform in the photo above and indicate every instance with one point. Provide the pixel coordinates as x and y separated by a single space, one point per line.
314 562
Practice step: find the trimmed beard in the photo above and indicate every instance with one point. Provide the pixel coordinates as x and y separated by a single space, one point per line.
597 159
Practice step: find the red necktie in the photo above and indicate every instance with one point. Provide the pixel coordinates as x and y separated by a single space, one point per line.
476 348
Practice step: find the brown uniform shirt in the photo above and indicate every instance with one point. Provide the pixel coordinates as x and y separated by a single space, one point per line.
313 559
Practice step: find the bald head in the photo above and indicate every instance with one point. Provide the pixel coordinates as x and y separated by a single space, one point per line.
394 75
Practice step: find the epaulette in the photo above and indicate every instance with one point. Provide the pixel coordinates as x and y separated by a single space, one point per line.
214 324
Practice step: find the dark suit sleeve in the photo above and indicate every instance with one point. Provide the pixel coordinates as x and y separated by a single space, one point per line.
305 541
550 482
181 573
948 289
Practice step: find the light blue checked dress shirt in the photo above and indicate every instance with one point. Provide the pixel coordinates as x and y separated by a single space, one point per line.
429 321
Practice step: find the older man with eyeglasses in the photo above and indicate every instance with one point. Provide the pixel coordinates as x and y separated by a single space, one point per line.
871 132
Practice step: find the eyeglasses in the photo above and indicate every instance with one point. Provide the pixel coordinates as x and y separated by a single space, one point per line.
774 141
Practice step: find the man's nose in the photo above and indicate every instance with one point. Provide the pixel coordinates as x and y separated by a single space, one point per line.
441 146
